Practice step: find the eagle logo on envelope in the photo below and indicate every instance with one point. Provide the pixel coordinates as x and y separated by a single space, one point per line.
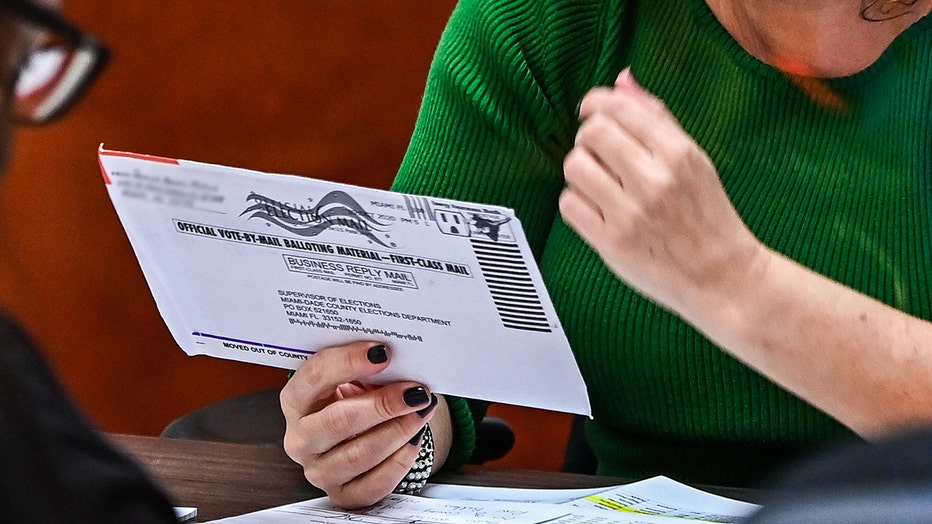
454 223
336 209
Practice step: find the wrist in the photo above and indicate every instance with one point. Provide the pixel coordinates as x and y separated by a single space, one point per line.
732 313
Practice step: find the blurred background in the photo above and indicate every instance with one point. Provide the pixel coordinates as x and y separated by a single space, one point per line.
327 89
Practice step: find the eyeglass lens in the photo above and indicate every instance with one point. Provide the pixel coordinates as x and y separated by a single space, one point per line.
50 79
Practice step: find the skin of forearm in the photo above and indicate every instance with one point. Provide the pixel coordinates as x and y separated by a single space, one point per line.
441 427
855 358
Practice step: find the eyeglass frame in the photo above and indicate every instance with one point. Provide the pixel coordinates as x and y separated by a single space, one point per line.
48 19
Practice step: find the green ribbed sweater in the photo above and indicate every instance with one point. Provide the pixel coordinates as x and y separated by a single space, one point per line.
835 174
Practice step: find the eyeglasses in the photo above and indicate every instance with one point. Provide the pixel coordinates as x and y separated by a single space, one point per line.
58 70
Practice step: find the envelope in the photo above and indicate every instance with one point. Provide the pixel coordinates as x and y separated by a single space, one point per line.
271 268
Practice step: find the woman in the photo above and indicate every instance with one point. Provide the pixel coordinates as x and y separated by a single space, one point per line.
754 187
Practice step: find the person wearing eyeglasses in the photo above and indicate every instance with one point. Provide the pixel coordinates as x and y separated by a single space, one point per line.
731 202
54 465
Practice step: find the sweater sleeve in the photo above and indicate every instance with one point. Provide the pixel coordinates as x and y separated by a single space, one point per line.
497 118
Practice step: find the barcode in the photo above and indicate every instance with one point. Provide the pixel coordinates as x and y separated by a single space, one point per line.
511 285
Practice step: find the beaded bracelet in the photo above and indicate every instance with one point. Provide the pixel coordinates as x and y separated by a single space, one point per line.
414 481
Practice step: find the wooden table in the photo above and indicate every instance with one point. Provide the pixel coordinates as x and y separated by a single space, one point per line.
223 480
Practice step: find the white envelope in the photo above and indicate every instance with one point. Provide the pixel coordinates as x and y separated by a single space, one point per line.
269 268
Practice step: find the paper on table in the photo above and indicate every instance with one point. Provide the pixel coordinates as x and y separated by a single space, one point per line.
403 509
659 496
185 514
662 503
268 268
488 493
663 496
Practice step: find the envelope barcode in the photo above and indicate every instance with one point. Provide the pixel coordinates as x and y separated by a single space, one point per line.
511 286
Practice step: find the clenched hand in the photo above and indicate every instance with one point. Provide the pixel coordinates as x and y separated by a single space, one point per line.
646 197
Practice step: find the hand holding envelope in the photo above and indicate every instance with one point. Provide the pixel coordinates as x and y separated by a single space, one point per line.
356 441
422 296
411 297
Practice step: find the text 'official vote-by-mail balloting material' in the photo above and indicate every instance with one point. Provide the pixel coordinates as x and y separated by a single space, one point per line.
270 268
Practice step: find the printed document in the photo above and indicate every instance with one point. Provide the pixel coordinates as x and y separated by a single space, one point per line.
658 500
270 268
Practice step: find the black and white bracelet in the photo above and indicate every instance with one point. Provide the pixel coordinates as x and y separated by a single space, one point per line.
414 481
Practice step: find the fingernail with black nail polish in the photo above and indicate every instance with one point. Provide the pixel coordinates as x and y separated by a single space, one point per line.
416 439
433 403
377 354
415 396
